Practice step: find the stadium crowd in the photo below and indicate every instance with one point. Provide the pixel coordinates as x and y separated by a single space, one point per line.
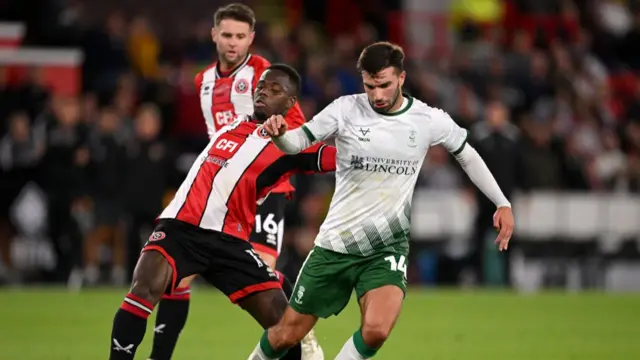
554 105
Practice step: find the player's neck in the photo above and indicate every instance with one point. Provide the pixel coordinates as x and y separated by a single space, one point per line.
225 68
397 105
255 119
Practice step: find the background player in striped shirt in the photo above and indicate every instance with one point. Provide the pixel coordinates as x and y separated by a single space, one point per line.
205 229
226 88
382 138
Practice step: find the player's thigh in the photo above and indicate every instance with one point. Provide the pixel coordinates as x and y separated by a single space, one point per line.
237 270
381 287
151 277
268 231
180 244
324 284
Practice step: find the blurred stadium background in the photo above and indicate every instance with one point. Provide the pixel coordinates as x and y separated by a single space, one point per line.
100 122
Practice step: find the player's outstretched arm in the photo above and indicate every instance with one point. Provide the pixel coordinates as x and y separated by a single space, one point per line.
447 133
319 158
481 176
323 126
288 141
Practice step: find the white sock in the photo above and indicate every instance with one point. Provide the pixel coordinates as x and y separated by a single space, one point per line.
258 354
349 352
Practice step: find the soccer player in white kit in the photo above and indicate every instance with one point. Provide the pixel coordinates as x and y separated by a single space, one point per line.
382 137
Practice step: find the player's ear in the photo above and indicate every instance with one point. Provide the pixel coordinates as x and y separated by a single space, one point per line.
291 101
252 35
402 77
214 34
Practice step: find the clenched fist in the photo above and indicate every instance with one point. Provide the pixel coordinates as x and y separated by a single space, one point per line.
276 126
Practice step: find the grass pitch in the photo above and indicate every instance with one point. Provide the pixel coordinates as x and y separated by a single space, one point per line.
52 324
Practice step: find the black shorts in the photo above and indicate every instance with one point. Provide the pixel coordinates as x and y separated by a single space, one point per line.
269 229
228 263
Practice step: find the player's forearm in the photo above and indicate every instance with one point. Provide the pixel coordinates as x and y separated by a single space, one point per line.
481 176
293 141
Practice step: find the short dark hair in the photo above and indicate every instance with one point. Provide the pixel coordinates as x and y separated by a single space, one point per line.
291 73
379 56
235 11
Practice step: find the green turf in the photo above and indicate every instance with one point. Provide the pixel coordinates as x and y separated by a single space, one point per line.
51 324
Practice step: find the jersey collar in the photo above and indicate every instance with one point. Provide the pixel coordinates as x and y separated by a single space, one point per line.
400 111
233 73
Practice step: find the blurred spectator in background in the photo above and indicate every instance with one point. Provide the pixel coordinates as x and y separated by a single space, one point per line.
105 52
64 179
144 49
31 95
148 172
497 140
105 179
19 155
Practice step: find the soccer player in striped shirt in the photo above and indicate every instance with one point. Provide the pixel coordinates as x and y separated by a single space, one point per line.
205 229
382 137
226 89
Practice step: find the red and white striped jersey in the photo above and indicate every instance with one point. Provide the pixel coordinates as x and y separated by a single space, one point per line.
225 97
239 167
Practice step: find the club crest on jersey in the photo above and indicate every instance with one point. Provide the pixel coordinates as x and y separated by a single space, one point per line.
157 235
412 138
242 86
262 132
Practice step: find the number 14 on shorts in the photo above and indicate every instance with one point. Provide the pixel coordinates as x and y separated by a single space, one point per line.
398 265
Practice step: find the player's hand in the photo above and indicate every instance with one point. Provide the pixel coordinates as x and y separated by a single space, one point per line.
503 222
275 126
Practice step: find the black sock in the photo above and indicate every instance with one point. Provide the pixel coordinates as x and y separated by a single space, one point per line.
172 315
287 287
129 326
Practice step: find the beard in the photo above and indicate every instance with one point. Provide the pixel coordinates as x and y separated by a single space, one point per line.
260 115
392 103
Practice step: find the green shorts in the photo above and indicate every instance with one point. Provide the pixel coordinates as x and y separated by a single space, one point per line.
328 278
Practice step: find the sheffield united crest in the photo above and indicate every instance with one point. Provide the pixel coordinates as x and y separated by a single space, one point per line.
242 86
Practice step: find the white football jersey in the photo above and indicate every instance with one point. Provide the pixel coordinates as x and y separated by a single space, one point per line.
378 161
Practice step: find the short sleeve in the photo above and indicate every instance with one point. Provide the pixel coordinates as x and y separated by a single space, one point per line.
447 133
325 124
197 80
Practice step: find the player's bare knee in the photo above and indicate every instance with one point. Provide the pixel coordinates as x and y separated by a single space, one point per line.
375 334
144 291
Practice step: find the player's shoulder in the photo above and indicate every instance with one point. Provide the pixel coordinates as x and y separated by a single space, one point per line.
425 110
201 74
349 102
258 61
